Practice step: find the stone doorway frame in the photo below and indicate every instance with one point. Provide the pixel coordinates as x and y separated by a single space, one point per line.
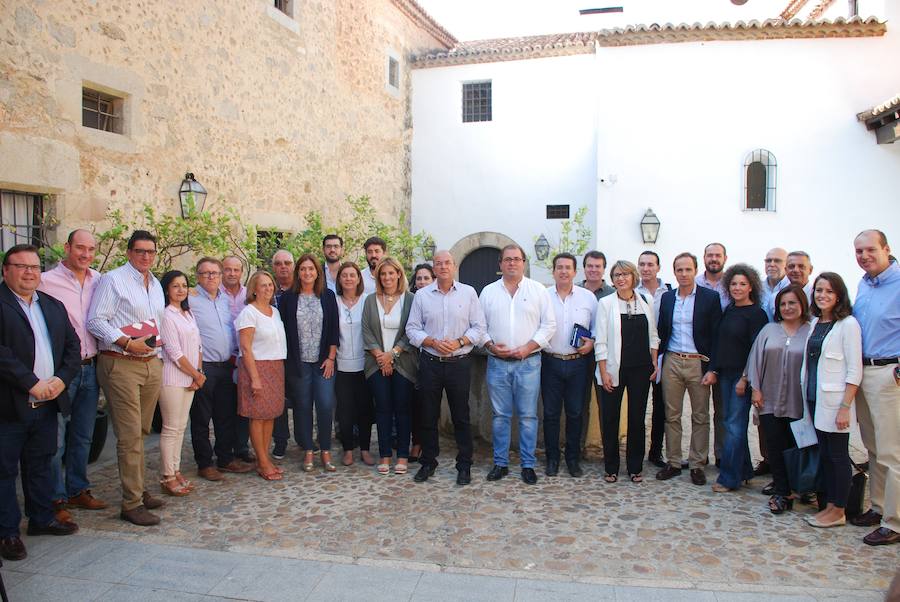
467 244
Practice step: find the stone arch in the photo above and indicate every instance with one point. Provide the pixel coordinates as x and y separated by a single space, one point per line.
467 244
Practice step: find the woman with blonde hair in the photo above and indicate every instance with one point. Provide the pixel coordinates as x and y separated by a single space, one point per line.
391 362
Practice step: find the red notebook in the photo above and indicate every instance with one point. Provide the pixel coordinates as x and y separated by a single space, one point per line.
142 329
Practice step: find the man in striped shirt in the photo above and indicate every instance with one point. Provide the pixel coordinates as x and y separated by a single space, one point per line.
130 296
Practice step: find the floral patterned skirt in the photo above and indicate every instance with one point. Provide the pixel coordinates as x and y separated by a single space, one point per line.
268 404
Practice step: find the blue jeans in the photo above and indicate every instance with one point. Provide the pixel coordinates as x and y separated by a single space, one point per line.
514 385
74 442
736 466
309 388
393 395
31 443
562 384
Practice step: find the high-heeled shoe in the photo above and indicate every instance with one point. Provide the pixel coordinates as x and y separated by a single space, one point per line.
184 481
308 462
171 486
325 458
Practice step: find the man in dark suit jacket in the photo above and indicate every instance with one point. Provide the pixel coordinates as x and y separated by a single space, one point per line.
39 356
688 321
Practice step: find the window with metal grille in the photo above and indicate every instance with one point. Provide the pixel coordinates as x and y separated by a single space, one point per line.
267 242
101 111
393 72
476 102
21 217
557 212
760 171
285 6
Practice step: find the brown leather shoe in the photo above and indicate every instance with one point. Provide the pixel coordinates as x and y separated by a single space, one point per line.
87 501
12 548
150 502
869 518
698 477
882 536
54 528
139 516
59 509
668 472
237 466
211 473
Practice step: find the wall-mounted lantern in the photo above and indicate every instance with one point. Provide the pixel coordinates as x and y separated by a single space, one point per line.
192 195
650 227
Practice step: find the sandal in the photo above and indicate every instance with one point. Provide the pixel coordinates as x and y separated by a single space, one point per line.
384 468
171 486
184 481
400 468
273 475
325 458
779 503
637 478
308 462
610 477
719 488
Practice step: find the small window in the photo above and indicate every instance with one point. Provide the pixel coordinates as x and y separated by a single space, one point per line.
557 212
476 102
21 216
760 171
101 111
393 72
285 6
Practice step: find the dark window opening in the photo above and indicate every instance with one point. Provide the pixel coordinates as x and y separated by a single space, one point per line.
476 102
21 219
760 171
393 72
557 212
101 111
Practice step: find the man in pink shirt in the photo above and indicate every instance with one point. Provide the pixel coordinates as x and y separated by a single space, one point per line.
72 281
232 285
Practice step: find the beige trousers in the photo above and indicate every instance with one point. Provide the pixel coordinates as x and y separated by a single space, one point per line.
878 412
131 389
680 375
174 405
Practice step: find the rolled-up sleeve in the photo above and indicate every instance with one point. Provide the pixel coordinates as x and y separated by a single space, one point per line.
104 305
415 325
548 320
477 331
171 344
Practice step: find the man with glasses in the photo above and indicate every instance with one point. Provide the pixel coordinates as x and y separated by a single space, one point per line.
283 270
72 282
39 356
520 322
776 279
125 296
445 322
333 250
217 398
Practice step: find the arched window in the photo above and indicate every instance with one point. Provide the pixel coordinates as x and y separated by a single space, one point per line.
760 171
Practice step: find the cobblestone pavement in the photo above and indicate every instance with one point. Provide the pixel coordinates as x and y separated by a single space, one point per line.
659 534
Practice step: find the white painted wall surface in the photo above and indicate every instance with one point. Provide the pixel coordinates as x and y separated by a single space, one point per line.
679 119
540 149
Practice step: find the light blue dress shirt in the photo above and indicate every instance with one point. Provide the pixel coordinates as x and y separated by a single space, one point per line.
682 337
43 347
213 317
877 309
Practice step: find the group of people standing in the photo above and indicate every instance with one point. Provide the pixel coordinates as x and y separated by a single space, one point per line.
326 339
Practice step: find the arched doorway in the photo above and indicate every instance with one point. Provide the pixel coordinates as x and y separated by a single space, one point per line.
480 268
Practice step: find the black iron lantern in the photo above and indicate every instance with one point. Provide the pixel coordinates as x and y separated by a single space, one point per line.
542 248
650 227
192 195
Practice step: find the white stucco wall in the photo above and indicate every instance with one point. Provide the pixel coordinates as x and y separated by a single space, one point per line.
538 150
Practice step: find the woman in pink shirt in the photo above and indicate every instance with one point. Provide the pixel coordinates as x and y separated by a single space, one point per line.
181 376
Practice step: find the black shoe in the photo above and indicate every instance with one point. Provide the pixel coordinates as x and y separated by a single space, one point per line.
698 477
497 473
668 472
762 468
425 471
529 477
684 465
575 469
463 475
54 527
657 460
869 518
769 489
279 451
552 468
12 548
718 463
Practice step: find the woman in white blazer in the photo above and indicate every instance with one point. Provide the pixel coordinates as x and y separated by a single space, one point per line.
829 378
625 351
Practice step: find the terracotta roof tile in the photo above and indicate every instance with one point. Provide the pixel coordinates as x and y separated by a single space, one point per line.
794 6
888 106
531 47
417 15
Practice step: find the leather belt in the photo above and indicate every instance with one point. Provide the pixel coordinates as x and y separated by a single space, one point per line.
868 361
218 364
450 359
35 404
133 358
514 359
565 356
689 356
89 361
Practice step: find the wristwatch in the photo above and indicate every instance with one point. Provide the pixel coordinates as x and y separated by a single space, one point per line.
461 341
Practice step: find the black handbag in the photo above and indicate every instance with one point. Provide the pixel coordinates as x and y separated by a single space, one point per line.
804 469
856 499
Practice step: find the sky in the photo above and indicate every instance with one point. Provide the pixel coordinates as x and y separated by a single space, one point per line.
481 19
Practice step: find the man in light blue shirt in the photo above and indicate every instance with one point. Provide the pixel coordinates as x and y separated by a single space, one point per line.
877 309
775 280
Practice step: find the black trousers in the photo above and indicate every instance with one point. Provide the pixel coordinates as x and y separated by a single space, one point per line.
434 378
416 416
281 431
657 421
355 410
835 454
215 400
637 382
779 437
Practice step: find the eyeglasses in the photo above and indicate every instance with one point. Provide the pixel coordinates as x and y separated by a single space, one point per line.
26 267
144 252
618 275
209 274
774 260
511 259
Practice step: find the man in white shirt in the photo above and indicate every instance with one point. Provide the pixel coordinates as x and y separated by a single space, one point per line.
520 322
775 262
566 368
375 249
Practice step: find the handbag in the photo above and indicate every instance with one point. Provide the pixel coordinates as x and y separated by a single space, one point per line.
804 469
804 430
856 499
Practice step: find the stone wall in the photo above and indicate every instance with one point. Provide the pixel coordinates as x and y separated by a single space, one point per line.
274 114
